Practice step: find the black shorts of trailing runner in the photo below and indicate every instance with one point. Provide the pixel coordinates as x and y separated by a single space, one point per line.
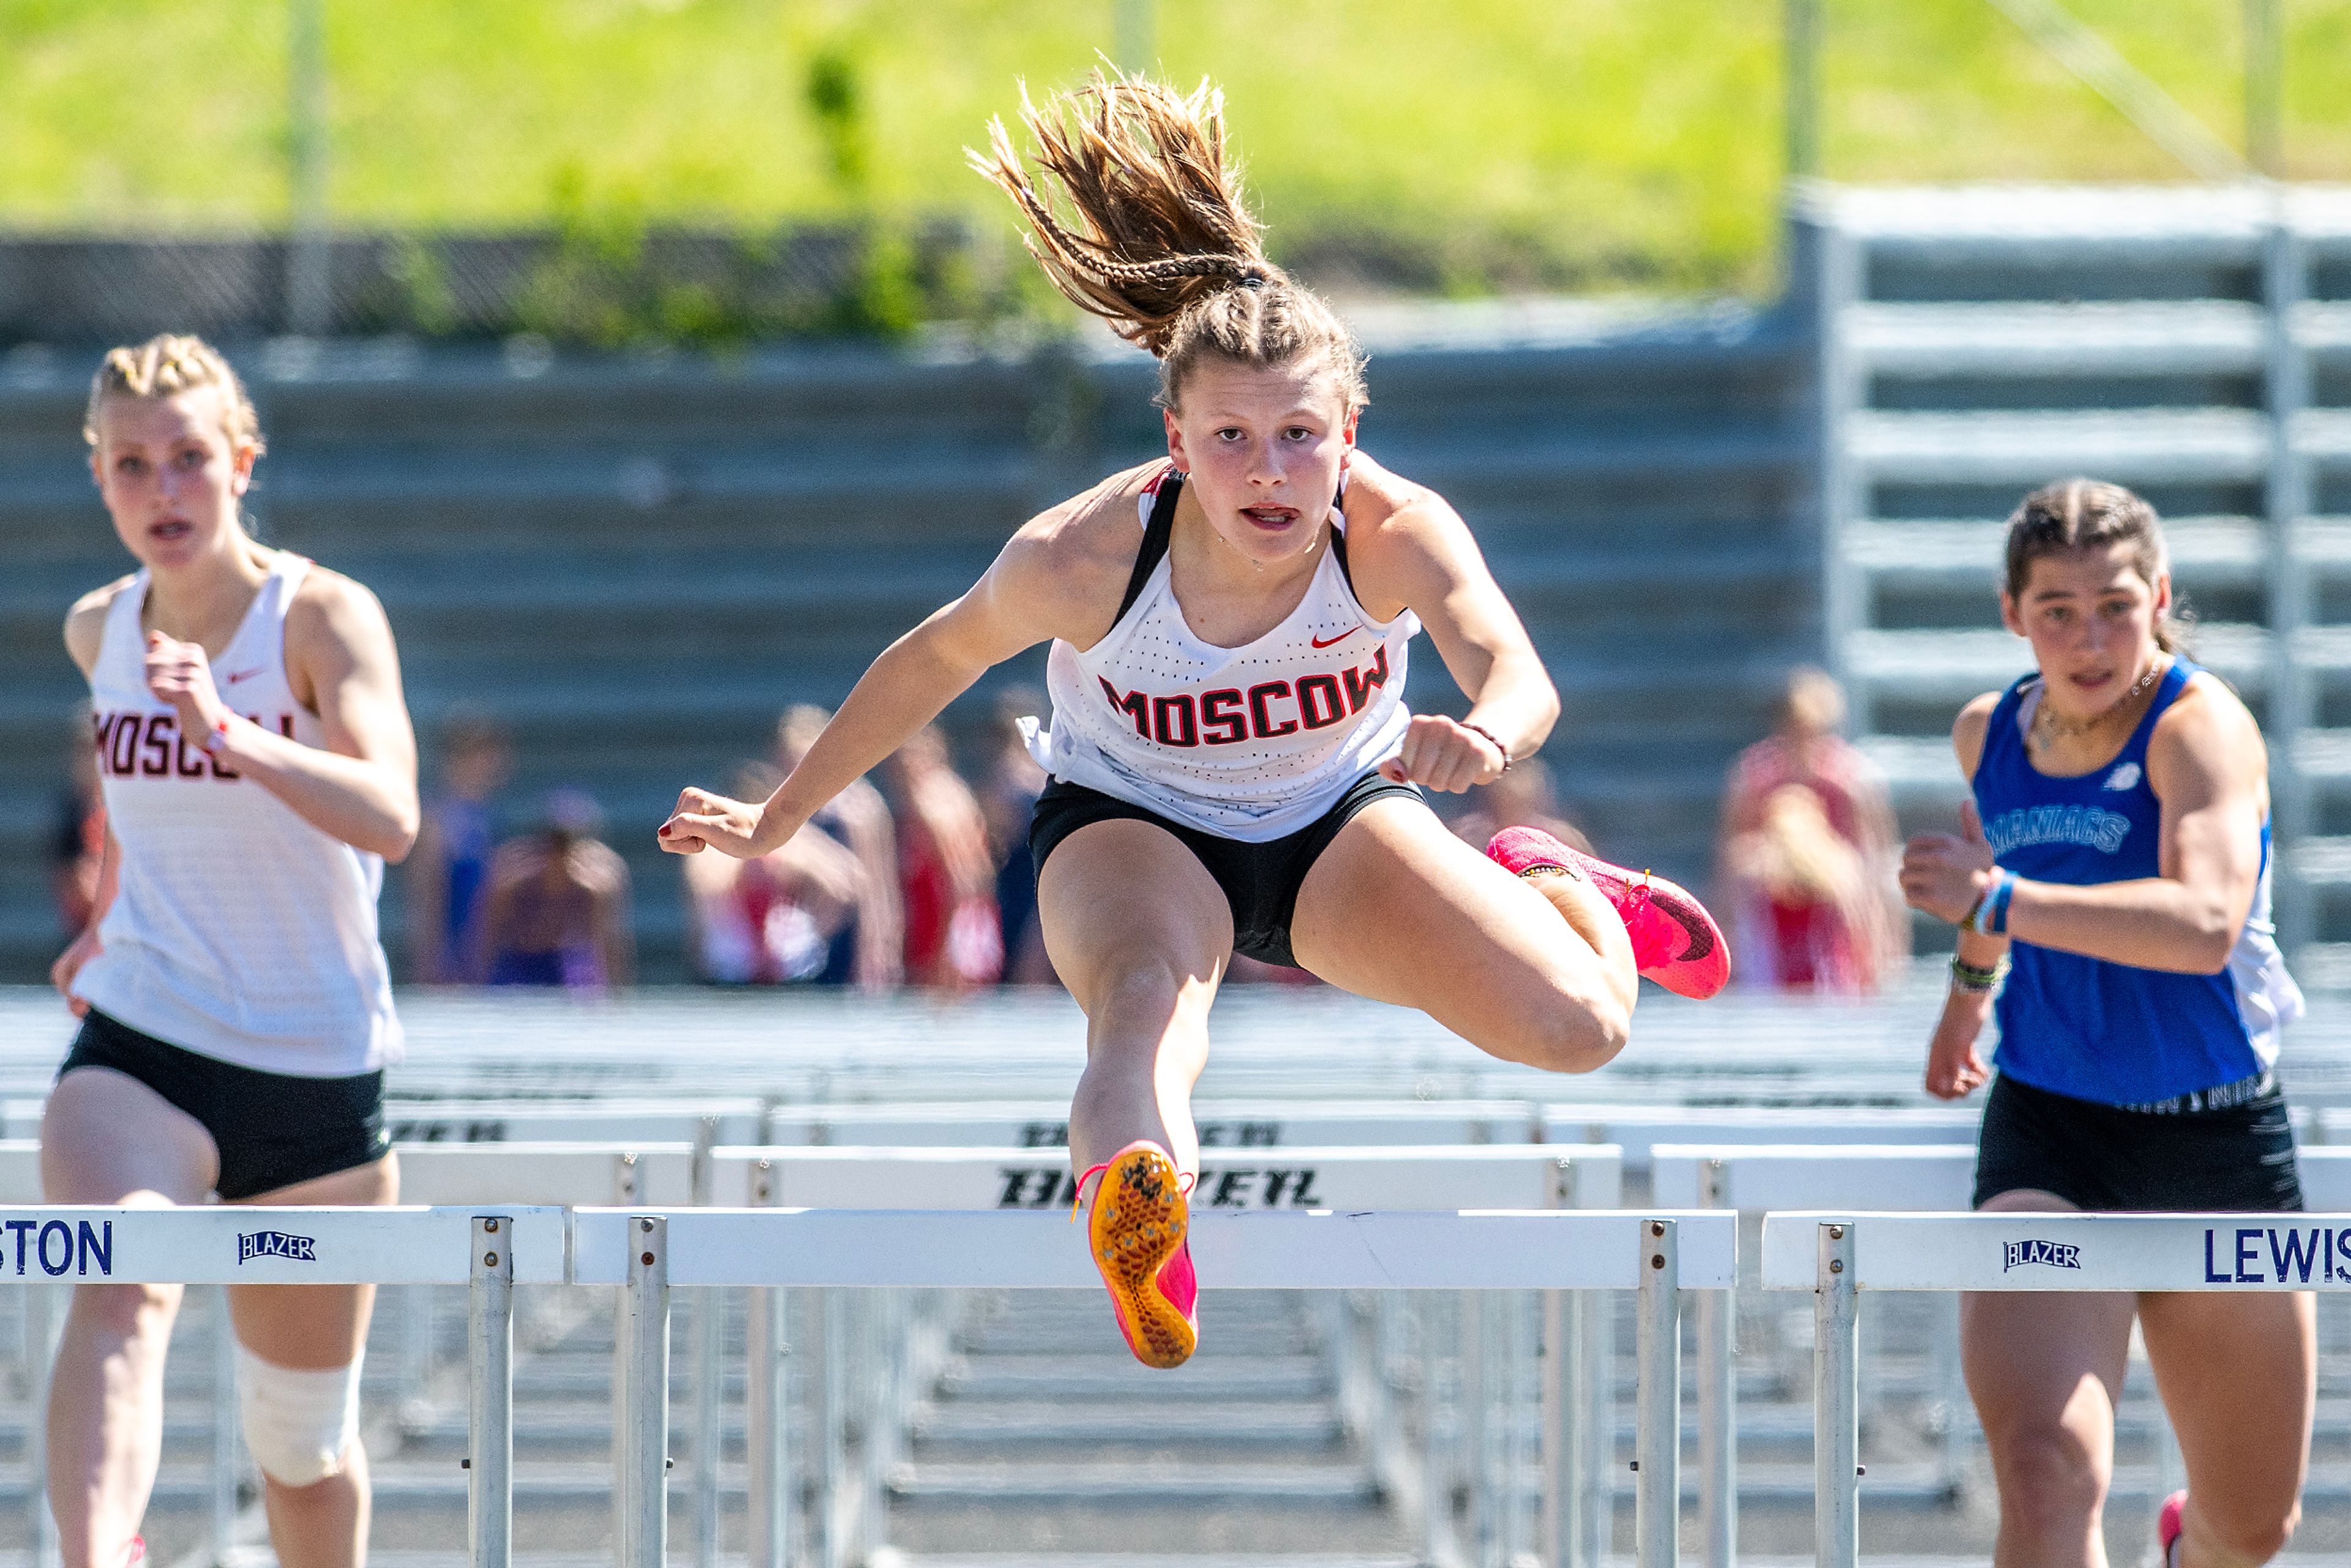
2234 1157
1261 881
272 1129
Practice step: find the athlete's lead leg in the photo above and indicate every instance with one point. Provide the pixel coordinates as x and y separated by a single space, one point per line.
1141 935
1536 970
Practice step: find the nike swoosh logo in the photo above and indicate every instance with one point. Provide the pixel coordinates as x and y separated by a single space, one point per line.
1340 638
243 675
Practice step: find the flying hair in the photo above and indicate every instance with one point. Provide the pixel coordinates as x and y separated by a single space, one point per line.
164 366
1158 240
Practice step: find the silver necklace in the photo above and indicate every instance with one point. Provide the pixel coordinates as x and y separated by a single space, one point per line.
2049 729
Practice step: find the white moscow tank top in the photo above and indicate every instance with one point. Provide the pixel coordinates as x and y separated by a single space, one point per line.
239 930
1249 743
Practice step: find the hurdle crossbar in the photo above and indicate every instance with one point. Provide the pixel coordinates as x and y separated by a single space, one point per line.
1655 1255
1839 1256
488 1252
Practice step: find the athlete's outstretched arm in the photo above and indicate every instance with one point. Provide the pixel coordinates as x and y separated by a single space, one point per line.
1046 582
1423 558
2209 771
361 787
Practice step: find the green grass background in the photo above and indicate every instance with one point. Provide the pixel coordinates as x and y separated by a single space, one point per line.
1500 144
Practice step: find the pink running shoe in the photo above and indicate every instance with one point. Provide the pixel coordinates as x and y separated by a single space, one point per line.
1138 1233
136 1552
1675 941
2168 1525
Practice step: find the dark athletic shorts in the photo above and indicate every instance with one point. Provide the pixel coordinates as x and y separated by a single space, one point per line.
1261 881
2103 1157
272 1129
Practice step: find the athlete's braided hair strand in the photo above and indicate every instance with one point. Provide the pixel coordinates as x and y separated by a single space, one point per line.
1162 244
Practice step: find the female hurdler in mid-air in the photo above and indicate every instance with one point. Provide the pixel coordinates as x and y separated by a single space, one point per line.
1233 768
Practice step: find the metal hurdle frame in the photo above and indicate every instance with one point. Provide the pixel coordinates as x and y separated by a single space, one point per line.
1655 1255
1751 1179
1575 1409
1837 1256
488 1252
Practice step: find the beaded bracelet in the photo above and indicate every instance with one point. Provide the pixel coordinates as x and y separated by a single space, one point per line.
1968 978
1488 734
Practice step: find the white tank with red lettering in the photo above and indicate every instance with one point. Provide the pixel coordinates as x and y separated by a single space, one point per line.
1249 743
239 930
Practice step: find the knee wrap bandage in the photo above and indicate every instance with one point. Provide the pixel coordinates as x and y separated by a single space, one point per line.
299 1423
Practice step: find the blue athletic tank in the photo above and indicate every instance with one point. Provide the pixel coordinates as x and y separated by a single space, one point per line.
2100 1030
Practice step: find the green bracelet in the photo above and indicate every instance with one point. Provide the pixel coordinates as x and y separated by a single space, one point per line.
1967 977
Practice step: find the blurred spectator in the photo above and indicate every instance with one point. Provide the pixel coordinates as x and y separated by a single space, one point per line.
1521 797
789 917
859 819
556 908
448 868
1008 798
946 879
78 839
1808 854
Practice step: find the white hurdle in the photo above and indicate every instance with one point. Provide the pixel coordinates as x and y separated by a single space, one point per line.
486 1252
1838 1255
1259 1178
1752 1178
1657 1255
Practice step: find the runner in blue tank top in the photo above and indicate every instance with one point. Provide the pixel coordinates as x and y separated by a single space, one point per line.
2115 866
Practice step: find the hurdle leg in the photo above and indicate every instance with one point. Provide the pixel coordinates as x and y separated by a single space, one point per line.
769 1416
1554 1527
1717 1407
489 1340
1657 1435
228 1454
1718 1398
709 1334
645 1396
1592 1428
1437 1446
830 1386
42 1323
1836 1402
1952 1393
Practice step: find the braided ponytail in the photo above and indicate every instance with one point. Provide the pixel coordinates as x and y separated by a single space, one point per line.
1162 244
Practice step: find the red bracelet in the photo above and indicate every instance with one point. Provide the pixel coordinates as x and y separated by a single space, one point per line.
1488 734
218 737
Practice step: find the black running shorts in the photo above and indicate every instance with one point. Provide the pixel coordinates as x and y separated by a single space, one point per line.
1261 881
2103 1157
272 1129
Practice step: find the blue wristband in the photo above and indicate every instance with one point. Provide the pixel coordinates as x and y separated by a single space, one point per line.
1994 921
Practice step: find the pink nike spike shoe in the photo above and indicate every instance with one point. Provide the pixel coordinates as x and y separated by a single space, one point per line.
1675 941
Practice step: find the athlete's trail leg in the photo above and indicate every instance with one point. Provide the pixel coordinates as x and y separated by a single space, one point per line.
2238 1375
2045 1371
1536 970
1141 934
315 1328
108 1138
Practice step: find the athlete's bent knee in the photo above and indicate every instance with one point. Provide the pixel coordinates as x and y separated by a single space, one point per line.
128 1312
1565 1033
2246 1540
2049 1483
299 1423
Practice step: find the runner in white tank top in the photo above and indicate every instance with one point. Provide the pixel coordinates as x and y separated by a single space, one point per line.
1250 743
1234 768
238 929
259 769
